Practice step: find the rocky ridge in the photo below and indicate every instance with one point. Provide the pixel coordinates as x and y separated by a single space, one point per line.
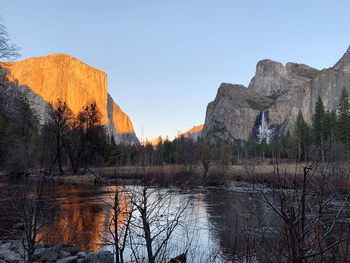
194 133
279 91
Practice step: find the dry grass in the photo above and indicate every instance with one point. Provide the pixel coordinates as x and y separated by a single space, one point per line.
250 172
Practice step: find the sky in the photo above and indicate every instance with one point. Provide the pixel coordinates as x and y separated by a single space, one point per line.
165 59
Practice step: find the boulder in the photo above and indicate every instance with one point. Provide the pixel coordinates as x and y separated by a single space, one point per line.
67 259
10 256
91 258
72 250
64 254
81 254
48 254
179 259
105 257
5 246
100 257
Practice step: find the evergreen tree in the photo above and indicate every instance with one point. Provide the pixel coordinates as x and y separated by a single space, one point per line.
302 133
319 125
318 122
344 118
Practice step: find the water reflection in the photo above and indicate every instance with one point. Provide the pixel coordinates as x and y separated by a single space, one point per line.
223 221
218 220
85 215
235 220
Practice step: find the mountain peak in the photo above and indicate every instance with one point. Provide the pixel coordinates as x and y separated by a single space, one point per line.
343 61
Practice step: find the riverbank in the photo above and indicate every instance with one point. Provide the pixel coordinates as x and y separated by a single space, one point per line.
246 174
12 251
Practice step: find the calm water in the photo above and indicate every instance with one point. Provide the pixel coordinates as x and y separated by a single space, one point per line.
217 221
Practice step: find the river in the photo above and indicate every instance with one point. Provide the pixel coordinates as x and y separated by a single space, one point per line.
219 224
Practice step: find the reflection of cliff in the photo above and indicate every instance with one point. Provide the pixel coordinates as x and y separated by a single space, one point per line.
233 218
81 220
60 76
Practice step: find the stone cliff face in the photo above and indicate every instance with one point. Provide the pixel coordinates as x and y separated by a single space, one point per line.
60 76
270 104
230 115
120 124
193 133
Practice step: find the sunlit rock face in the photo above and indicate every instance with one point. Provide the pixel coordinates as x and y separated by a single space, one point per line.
276 91
60 76
193 133
120 124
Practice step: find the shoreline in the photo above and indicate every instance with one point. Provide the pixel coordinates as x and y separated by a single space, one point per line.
249 174
173 175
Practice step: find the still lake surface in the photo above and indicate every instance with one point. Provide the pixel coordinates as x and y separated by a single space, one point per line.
218 221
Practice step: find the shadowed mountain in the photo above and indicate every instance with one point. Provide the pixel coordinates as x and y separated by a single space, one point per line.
269 106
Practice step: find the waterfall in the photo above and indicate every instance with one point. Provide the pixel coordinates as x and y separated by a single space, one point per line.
264 131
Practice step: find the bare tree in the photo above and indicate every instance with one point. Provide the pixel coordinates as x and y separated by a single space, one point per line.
58 124
31 210
158 215
308 232
8 50
118 225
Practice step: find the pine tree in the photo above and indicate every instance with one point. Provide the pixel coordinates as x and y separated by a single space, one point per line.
303 134
319 125
344 118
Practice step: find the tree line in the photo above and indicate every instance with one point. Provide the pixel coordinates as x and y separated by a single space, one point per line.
74 142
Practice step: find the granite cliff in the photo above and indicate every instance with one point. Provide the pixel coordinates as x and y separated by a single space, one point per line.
60 76
194 133
268 107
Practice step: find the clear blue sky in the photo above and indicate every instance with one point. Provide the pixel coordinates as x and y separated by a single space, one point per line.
166 59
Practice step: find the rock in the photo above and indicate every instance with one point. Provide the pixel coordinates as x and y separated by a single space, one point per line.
105 257
91 258
5 246
230 116
10 256
179 259
72 250
38 252
15 245
67 260
47 254
280 91
64 254
100 257
120 124
193 133
60 76
271 77
81 254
